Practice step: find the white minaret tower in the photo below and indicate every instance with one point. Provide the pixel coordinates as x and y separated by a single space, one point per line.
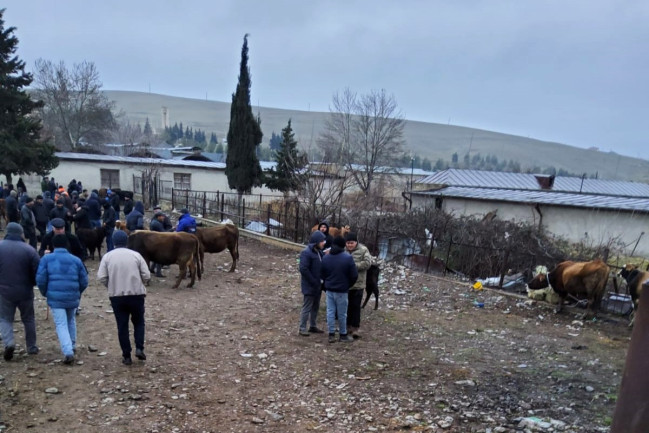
165 117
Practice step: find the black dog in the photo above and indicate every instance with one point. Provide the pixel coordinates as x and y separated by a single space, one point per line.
372 285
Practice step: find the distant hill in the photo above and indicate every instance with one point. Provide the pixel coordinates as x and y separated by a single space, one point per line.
430 140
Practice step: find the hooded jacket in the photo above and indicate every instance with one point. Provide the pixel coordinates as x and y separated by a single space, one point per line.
94 208
310 264
363 260
135 219
186 223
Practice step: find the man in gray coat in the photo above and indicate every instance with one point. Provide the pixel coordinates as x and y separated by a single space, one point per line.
18 266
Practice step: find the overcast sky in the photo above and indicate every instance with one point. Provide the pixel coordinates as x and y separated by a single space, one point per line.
574 72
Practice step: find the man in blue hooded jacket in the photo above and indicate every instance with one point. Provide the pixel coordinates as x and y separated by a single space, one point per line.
186 223
310 261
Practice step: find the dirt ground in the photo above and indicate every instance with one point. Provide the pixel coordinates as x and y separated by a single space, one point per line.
226 357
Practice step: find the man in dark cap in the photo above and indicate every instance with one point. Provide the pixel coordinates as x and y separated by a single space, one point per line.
166 224
108 219
125 273
61 212
28 222
18 265
58 228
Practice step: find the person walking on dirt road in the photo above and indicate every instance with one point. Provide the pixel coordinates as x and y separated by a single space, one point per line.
125 273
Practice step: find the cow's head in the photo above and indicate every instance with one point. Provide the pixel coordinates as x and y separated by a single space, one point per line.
626 270
540 281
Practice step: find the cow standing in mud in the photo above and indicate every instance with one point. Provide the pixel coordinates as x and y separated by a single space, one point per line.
636 280
217 239
178 248
579 279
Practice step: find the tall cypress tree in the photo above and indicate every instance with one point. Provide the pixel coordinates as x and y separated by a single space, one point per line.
21 149
244 135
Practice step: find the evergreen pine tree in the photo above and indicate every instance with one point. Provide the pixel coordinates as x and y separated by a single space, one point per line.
148 132
244 135
21 150
286 175
213 139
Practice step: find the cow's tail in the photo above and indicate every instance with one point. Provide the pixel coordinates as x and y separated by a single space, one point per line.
197 258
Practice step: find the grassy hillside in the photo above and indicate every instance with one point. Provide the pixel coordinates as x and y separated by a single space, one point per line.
431 140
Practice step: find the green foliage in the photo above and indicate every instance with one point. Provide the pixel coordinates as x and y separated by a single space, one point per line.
21 148
244 135
287 175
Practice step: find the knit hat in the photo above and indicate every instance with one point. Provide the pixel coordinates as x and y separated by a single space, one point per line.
317 237
57 223
14 229
157 214
13 193
184 211
119 238
339 241
60 201
59 241
351 236
29 200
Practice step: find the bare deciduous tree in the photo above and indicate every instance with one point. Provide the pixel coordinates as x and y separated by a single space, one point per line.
364 134
75 109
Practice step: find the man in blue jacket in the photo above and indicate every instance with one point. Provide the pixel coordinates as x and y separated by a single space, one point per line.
339 274
18 265
186 223
62 278
310 261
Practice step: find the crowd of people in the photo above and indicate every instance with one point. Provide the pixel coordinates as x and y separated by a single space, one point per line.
338 266
53 218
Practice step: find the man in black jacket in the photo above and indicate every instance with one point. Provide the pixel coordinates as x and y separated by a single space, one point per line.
42 217
58 228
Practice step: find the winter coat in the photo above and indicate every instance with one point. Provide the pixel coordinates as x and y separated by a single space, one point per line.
18 265
61 278
338 270
363 261
11 206
40 213
115 202
310 263
128 207
156 226
27 219
73 246
135 219
109 217
94 208
186 223
81 218
63 213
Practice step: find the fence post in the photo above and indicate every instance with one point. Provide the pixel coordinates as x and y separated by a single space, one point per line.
222 205
448 254
268 220
432 245
243 213
297 220
502 271
376 237
204 203
173 196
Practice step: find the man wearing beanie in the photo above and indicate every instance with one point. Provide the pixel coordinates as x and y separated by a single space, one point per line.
18 265
62 278
363 261
310 283
125 273
339 274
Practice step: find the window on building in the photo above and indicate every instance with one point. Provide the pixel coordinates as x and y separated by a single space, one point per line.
109 178
182 181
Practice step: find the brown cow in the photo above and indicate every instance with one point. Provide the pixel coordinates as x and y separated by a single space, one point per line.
575 278
217 239
334 231
121 225
169 248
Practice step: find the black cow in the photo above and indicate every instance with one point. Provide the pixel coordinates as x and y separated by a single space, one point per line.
92 239
372 285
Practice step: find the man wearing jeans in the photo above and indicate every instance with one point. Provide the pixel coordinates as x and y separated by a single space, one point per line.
61 278
339 274
125 273
18 265
310 261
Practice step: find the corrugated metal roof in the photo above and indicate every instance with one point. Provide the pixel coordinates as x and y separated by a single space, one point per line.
593 201
525 181
265 165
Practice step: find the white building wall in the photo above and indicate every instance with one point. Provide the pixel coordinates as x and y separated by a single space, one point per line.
592 226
